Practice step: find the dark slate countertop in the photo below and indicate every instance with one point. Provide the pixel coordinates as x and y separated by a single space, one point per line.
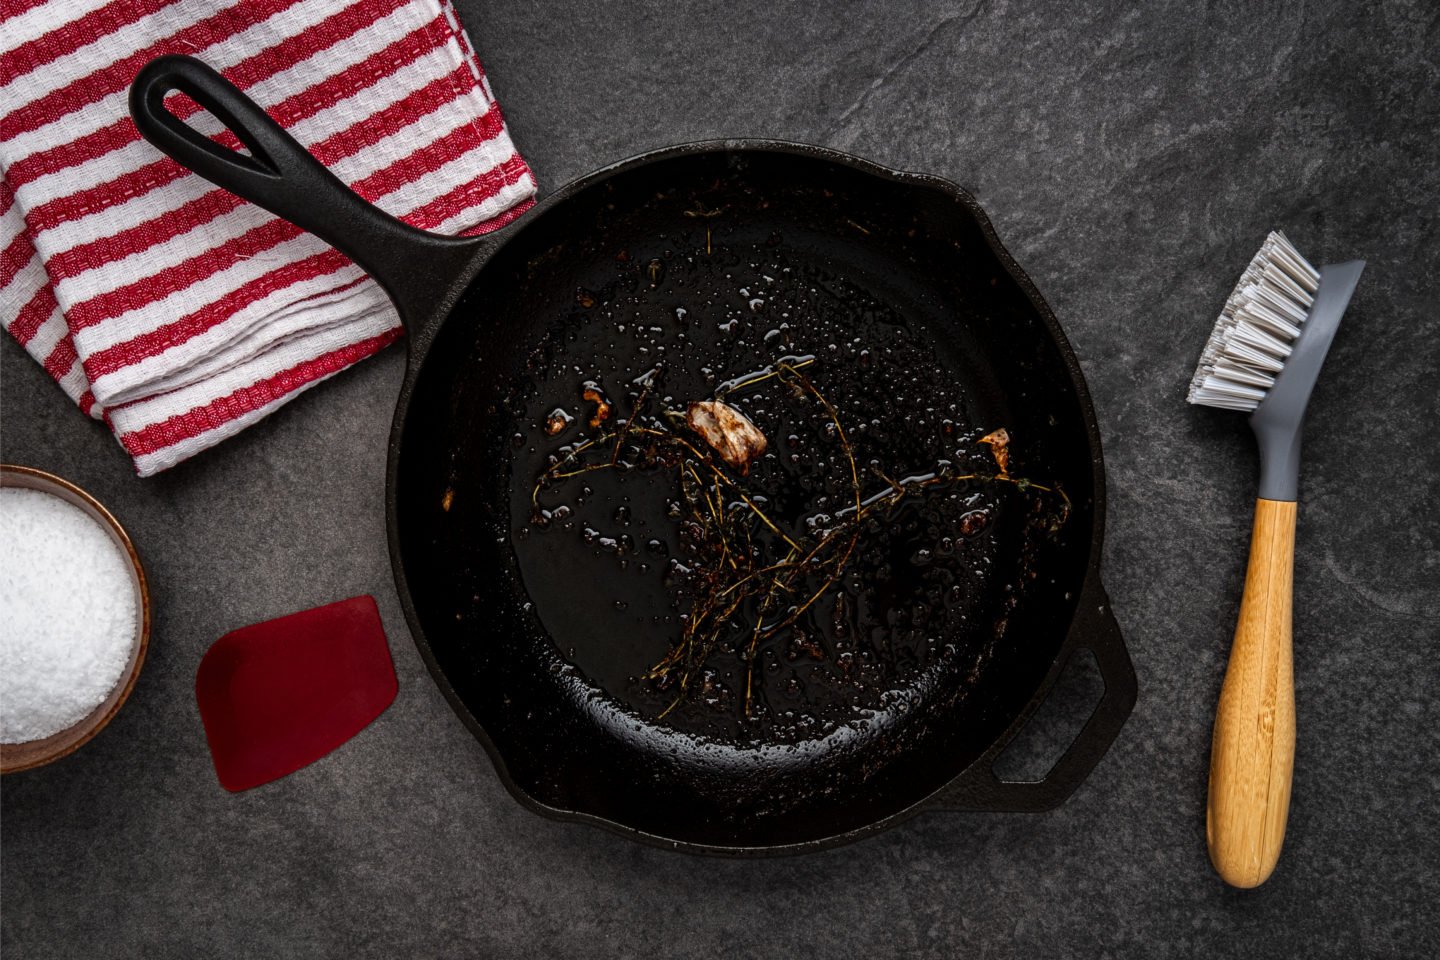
1132 158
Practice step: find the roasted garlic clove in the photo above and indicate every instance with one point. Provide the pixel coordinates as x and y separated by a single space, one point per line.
728 431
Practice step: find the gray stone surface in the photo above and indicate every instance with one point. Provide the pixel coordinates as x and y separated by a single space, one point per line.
1132 159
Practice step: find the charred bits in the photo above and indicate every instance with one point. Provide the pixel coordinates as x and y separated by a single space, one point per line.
974 522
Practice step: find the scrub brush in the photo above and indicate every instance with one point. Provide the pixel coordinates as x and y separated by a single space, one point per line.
1263 357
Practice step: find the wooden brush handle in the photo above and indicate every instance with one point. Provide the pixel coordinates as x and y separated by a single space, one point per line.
1253 753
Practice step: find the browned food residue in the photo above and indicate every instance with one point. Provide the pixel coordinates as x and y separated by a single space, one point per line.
728 432
974 522
558 420
592 393
999 443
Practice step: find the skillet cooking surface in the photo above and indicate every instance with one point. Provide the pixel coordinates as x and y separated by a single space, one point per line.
917 594
697 270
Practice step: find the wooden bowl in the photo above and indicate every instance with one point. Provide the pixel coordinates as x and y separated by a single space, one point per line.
22 756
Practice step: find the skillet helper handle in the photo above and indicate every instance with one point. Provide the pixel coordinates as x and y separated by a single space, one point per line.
1252 757
414 267
1092 628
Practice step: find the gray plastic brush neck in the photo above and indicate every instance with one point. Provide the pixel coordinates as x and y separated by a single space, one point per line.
1281 415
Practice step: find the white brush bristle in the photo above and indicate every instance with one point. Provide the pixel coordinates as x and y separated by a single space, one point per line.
1252 338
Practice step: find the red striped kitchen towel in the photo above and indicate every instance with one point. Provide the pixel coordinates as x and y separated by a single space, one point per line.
172 310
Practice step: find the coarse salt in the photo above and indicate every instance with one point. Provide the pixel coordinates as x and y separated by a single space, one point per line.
67 614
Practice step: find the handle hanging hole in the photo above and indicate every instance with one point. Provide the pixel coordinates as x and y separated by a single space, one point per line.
188 111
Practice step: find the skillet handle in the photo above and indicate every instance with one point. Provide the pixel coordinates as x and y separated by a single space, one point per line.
1092 628
416 268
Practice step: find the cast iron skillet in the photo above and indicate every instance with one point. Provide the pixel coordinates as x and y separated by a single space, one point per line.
525 630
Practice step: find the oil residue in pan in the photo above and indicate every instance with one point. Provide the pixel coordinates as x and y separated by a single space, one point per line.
610 556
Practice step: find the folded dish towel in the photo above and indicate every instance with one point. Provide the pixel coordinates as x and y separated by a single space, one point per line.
170 309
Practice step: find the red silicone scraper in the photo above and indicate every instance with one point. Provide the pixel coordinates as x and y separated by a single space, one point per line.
279 695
